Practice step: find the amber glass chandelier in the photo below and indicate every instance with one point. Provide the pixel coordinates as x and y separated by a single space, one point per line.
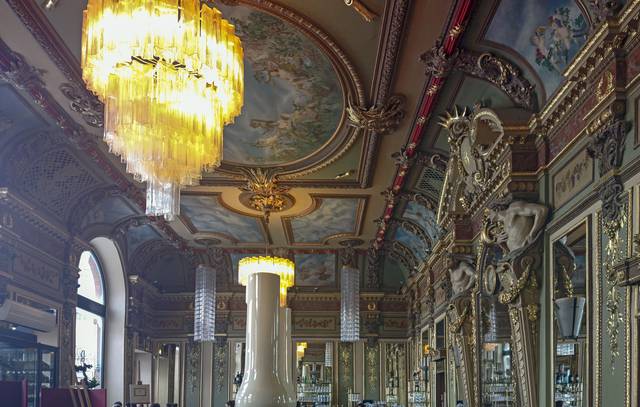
284 268
170 75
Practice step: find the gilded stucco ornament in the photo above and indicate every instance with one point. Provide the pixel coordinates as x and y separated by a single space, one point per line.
473 170
85 103
515 227
262 191
607 144
380 119
500 72
362 9
486 66
20 74
436 61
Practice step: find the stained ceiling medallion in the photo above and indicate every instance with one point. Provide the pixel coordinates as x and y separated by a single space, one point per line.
171 76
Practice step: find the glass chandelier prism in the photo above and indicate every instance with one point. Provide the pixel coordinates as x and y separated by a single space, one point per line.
284 268
171 76
350 304
205 304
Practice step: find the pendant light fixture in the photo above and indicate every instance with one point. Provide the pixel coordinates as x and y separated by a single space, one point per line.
170 74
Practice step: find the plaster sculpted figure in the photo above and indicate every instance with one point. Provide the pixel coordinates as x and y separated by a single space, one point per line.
521 223
462 277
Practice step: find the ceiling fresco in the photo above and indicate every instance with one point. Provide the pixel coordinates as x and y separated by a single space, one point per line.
139 235
16 115
206 214
547 34
315 270
329 217
423 217
412 242
293 98
109 211
302 59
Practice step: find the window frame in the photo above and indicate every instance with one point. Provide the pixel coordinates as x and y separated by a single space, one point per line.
89 305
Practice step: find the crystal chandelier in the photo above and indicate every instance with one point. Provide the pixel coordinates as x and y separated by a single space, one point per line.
328 354
350 304
284 268
205 304
170 75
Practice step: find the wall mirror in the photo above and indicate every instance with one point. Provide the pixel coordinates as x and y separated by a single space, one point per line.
571 274
168 365
314 370
439 363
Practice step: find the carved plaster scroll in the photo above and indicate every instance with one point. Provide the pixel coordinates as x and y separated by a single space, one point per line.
85 103
382 119
607 145
486 66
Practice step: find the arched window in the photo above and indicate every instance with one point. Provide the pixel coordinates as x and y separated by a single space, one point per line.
90 315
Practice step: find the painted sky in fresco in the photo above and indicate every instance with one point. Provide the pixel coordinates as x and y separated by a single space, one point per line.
548 34
425 218
412 241
138 235
315 270
292 101
333 216
208 215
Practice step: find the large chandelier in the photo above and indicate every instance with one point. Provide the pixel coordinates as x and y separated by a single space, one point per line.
284 268
170 75
205 304
350 304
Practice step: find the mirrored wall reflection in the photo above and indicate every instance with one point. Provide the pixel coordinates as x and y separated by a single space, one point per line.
498 382
439 363
419 382
570 293
314 368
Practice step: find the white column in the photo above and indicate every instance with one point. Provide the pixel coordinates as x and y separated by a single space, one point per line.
285 362
261 384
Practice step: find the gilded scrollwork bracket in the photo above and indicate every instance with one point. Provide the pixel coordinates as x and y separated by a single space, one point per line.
607 144
379 119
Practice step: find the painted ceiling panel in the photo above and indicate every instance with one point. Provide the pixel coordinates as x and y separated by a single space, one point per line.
332 217
548 34
138 235
413 242
110 210
206 214
16 116
424 217
293 99
316 270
